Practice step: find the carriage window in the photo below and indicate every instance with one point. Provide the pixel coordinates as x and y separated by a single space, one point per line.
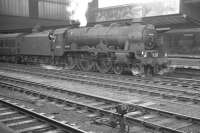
12 43
6 43
18 50
172 43
18 44
197 39
186 39
186 43
197 44
1 43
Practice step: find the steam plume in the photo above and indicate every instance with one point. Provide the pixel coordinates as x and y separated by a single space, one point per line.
77 10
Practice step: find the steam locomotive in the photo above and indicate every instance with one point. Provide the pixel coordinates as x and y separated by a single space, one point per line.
115 48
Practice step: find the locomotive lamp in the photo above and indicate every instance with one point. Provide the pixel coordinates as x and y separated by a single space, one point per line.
144 54
166 54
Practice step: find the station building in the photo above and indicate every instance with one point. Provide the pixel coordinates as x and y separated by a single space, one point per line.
161 13
23 15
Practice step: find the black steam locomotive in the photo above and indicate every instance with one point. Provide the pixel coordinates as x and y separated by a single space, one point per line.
115 48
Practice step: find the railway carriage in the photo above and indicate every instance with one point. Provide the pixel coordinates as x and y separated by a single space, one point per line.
183 47
9 47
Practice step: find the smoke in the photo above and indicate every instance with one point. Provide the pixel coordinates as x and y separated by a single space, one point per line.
77 10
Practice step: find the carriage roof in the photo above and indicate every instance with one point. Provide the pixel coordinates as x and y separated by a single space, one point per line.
13 35
176 31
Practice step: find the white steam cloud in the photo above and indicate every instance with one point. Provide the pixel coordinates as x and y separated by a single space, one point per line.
77 10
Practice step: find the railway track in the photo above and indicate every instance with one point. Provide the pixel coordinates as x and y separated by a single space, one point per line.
172 81
19 119
187 73
158 80
156 89
148 118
